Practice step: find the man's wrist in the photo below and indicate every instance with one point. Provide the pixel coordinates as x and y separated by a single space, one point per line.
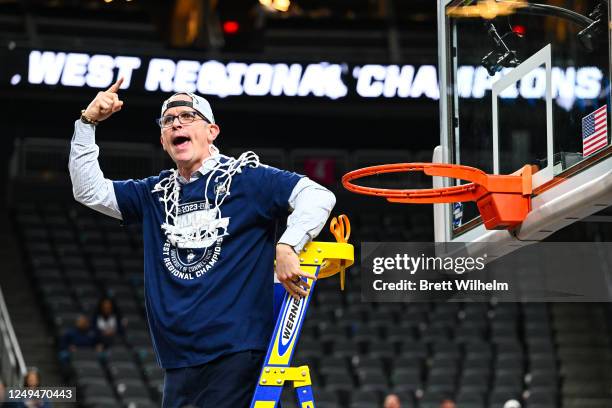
286 246
295 237
87 120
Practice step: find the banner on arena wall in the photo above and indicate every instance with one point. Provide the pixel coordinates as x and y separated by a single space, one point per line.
334 81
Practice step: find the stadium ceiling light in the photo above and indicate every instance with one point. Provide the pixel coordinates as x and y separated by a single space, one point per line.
278 5
282 5
487 9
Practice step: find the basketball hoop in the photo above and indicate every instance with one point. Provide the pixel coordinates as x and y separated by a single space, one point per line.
503 200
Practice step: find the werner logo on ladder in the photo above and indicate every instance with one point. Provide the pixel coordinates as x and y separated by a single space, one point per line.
321 259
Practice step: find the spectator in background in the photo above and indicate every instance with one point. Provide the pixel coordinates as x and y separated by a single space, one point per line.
107 322
32 381
392 401
512 404
81 336
448 403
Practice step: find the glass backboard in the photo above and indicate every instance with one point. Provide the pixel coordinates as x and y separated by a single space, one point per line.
525 83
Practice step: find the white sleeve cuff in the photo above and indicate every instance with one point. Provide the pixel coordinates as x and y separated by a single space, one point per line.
83 133
295 238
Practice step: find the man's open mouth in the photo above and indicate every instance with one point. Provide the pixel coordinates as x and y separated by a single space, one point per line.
179 140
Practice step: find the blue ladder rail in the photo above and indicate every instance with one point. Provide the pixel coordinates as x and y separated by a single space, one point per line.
321 259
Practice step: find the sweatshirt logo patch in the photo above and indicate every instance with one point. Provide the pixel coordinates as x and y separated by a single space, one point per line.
193 261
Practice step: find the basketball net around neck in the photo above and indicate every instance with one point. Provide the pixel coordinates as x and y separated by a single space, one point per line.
203 231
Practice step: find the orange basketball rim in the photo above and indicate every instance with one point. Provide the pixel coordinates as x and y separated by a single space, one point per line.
503 200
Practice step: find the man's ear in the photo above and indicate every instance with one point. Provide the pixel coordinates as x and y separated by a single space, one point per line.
214 132
161 140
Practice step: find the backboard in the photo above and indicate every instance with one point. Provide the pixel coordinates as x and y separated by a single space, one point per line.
526 83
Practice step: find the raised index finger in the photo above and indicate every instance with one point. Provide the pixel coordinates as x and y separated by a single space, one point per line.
115 87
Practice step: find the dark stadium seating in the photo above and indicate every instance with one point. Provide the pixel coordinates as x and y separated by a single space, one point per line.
480 354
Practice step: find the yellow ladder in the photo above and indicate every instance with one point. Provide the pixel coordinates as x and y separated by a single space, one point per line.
321 259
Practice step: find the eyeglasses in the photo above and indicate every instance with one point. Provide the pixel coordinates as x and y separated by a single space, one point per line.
184 118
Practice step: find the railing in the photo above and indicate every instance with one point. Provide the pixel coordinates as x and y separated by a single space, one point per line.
48 158
34 156
12 365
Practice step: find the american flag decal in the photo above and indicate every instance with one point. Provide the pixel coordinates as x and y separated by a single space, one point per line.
595 131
